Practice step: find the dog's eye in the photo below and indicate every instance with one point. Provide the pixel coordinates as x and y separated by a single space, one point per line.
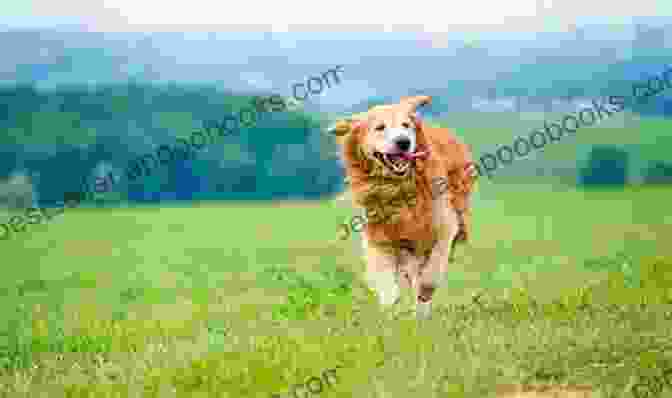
380 127
405 125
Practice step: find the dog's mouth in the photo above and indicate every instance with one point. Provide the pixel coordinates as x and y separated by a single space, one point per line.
397 163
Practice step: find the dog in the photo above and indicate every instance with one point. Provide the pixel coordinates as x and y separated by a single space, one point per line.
392 162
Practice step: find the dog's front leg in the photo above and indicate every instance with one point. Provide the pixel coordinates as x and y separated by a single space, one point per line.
409 268
432 273
381 273
430 278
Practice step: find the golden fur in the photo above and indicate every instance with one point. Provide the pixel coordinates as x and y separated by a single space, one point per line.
449 160
401 210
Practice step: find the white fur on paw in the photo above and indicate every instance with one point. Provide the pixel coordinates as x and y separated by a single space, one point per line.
423 310
389 296
386 286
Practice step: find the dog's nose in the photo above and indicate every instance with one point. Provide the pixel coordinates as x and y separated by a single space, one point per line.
403 143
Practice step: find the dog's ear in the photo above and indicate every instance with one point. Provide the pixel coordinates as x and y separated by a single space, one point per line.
419 125
346 126
340 128
351 143
417 120
357 126
412 103
420 137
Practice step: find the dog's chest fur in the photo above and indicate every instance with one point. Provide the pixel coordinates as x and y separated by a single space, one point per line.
411 218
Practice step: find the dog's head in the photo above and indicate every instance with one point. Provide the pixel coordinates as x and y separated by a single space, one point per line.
390 135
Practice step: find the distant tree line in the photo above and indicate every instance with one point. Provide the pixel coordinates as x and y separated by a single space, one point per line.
56 139
608 166
51 141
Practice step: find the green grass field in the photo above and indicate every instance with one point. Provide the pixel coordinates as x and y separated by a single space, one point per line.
241 300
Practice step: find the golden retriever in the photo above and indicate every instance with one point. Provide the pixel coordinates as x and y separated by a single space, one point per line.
393 162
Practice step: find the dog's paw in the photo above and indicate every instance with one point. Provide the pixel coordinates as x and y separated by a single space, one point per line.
390 297
423 310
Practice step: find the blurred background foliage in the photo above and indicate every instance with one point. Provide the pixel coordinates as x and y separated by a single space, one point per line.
52 139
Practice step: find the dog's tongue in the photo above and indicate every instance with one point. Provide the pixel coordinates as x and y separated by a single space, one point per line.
415 155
